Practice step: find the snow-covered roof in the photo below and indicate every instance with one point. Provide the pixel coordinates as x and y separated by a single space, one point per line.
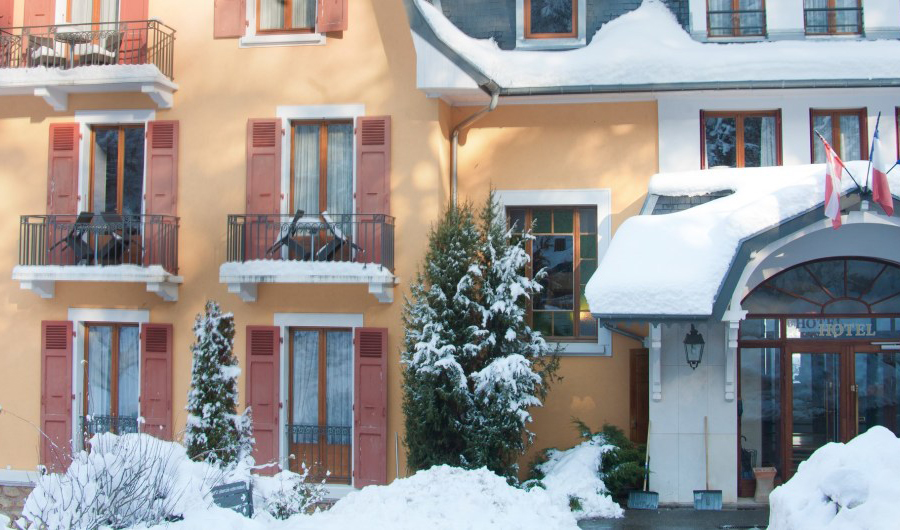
647 46
674 265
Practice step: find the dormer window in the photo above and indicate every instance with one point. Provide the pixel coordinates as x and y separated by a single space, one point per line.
832 17
736 18
548 24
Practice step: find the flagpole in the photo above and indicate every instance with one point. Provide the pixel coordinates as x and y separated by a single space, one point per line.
872 150
892 167
843 167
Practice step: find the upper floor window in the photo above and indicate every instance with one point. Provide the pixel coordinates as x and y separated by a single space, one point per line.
551 19
736 18
286 15
81 11
322 167
832 17
117 169
740 139
843 129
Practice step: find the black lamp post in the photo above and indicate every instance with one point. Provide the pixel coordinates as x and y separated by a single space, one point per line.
693 347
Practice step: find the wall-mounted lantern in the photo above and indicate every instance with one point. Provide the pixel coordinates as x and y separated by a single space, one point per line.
693 347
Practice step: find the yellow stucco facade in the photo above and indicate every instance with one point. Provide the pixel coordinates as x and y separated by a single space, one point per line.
220 87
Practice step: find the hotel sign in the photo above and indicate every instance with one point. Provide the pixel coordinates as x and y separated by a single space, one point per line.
841 328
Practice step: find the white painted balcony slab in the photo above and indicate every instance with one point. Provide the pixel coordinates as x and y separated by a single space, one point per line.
55 85
42 278
243 278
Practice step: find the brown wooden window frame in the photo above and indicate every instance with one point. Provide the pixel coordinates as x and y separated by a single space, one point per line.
120 165
736 30
739 132
114 363
323 158
835 114
832 20
288 8
531 35
576 234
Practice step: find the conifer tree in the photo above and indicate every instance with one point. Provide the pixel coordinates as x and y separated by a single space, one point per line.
215 432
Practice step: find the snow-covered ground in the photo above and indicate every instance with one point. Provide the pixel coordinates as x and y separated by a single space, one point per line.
843 486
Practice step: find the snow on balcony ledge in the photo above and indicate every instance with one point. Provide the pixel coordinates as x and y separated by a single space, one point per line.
42 278
55 84
243 278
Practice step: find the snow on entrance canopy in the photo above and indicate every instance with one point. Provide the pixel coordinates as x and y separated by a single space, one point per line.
674 264
647 46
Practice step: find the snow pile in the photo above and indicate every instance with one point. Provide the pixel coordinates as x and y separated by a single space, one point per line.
574 473
648 46
847 486
81 74
269 270
699 244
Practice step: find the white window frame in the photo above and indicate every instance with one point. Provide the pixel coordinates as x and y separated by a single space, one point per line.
585 197
286 321
78 317
551 44
252 40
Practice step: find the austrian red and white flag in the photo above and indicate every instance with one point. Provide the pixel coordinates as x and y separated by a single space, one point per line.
834 168
881 192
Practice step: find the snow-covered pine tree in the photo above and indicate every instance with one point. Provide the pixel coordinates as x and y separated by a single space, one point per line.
439 340
515 364
215 432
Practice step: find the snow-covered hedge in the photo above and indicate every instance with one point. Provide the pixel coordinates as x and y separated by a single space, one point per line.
843 486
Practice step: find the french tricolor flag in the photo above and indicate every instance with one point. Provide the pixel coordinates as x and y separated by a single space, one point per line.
881 192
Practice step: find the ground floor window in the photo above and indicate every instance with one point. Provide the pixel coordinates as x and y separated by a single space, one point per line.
740 139
111 364
320 390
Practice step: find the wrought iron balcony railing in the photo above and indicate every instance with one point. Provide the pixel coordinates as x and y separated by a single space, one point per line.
101 239
354 238
736 22
68 46
833 20
93 424
324 450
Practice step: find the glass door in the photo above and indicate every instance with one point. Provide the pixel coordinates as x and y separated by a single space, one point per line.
875 394
815 403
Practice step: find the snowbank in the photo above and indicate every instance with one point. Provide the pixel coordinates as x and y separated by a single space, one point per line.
648 46
846 486
574 473
698 245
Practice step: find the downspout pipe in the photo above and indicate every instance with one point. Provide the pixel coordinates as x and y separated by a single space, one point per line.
454 143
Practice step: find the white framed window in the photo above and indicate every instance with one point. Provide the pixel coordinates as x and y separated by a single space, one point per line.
551 24
281 23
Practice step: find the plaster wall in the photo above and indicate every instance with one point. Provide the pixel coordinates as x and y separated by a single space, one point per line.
680 128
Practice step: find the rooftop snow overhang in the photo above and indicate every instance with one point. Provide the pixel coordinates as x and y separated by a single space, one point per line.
429 42
55 85
739 254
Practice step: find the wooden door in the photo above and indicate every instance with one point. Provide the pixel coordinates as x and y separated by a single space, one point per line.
640 394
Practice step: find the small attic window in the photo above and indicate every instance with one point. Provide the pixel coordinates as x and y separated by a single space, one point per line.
548 24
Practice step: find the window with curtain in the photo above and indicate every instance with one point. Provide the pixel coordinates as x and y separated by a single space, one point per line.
845 130
286 15
736 18
117 169
565 247
832 17
83 11
551 18
111 384
322 172
740 139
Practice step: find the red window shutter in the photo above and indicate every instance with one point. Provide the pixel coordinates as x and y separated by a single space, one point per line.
62 181
162 167
40 12
56 394
263 367
229 18
370 410
133 49
130 10
6 13
156 380
373 181
264 166
332 16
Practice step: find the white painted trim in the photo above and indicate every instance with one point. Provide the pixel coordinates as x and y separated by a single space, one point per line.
299 320
78 316
599 197
18 477
579 40
94 117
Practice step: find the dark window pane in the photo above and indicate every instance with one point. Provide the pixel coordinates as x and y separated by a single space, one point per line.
798 282
860 276
822 125
760 410
562 324
543 322
563 221
516 219
134 171
721 137
587 327
551 16
830 274
542 221
759 141
587 269
554 254
106 167
886 285
759 328
587 220
589 247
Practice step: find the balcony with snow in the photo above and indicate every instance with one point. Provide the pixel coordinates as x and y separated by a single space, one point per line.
98 248
310 249
55 61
